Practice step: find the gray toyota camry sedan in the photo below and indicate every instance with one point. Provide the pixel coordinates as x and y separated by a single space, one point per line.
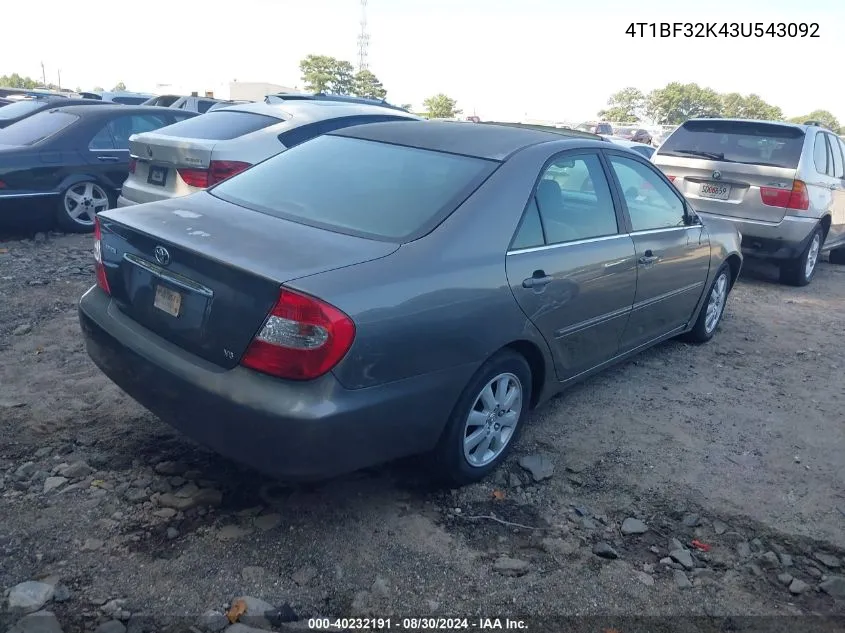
398 288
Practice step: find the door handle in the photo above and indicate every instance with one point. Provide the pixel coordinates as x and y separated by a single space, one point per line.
538 280
648 258
108 159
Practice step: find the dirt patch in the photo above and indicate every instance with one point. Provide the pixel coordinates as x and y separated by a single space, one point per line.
734 447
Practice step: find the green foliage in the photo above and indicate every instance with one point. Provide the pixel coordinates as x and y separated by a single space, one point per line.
17 81
407 106
735 106
441 106
626 106
328 75
824 117
678 102
120 87
366 84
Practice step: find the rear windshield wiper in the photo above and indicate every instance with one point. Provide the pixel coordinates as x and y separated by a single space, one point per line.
694 152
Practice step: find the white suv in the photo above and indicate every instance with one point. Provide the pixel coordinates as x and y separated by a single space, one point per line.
781 184
180 159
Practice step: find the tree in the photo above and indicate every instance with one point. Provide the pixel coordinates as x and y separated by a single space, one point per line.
120 87
17 81
626 106
734 105
823 116
99 89
407 106
441 106
328 75
678 102
343 82
367 85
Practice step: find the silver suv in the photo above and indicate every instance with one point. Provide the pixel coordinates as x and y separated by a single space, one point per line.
782 184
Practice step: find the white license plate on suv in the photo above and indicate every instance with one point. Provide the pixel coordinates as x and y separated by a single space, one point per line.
714 190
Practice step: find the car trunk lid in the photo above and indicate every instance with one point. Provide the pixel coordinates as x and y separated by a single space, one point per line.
203 273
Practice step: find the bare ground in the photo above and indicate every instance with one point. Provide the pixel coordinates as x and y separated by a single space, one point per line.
737 444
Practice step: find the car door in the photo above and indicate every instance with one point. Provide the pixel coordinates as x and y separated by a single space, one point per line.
572 266
836 234
109 146
673 256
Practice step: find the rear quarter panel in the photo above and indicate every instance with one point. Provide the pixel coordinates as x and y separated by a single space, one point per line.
443 300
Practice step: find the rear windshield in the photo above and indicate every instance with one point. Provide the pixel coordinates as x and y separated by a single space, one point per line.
747 142
14 110
365 188
220 125
35 128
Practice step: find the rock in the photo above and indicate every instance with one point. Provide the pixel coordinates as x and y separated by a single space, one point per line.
644 578
797 587
22 329
92 544
61 593
540 466
282 615
30 596
171 533
112 626
381 588
177 481
192 475
743 550
576 480
648 568
666 561
604 550
76 470
204 497
815 573
719 527
304 575
508 566
834 586
757 545
232 532
828 560
170 468
256 608
675 544
187 491
39 622
25 470
165 513
43 452
253 574
770 560
756 570
633 526
691 520
683 557
560 547
54 483
785 579
116 609
785 560
267 522
681 580
588 524
212 621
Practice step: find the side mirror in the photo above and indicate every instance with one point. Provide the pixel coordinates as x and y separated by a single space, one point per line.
690 217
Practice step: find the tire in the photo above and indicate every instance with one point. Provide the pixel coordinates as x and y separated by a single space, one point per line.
800 271
837 256
451 459
79 203
713 309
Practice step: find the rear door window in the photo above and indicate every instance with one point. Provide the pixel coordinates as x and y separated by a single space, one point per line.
358 187
652 204
204 105
130 100
748 142
123 127
36 128
836 157
221 125
821 154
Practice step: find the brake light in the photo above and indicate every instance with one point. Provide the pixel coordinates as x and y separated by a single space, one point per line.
796 198
194 177
102 279
2 185
671 178
220 170
302 338
133 162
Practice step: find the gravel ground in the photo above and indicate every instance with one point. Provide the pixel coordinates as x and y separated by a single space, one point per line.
734 447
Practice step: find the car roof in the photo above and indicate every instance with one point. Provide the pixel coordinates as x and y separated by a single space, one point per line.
799 126
492 141
314 110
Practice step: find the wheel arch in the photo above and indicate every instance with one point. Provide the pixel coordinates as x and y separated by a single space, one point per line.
532 353
734 262
75 179
825 223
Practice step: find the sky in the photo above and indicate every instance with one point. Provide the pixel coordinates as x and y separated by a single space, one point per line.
501 59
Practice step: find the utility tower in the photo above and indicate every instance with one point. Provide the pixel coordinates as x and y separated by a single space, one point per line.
363 39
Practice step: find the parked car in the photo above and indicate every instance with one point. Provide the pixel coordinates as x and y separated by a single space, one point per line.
287 97
657 139
125 97
196 154
73 159
642 149
225 104
604 129
192 104
635 134
781 184
14 112
330 308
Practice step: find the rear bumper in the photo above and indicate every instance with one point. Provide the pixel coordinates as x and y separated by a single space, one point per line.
297 431
772 240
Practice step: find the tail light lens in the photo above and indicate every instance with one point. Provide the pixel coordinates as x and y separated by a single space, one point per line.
218 171
796 198
302 338
133 163
671 178
2 185
102 280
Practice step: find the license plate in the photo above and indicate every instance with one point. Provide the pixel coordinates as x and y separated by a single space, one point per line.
168 301
157 176
714 190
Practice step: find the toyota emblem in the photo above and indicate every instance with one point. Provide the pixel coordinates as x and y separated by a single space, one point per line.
162 256
717 175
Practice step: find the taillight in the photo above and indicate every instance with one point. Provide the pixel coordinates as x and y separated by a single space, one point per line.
672 178
220 170
302 338
796 198
133 162
194 177
2 185
102 280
